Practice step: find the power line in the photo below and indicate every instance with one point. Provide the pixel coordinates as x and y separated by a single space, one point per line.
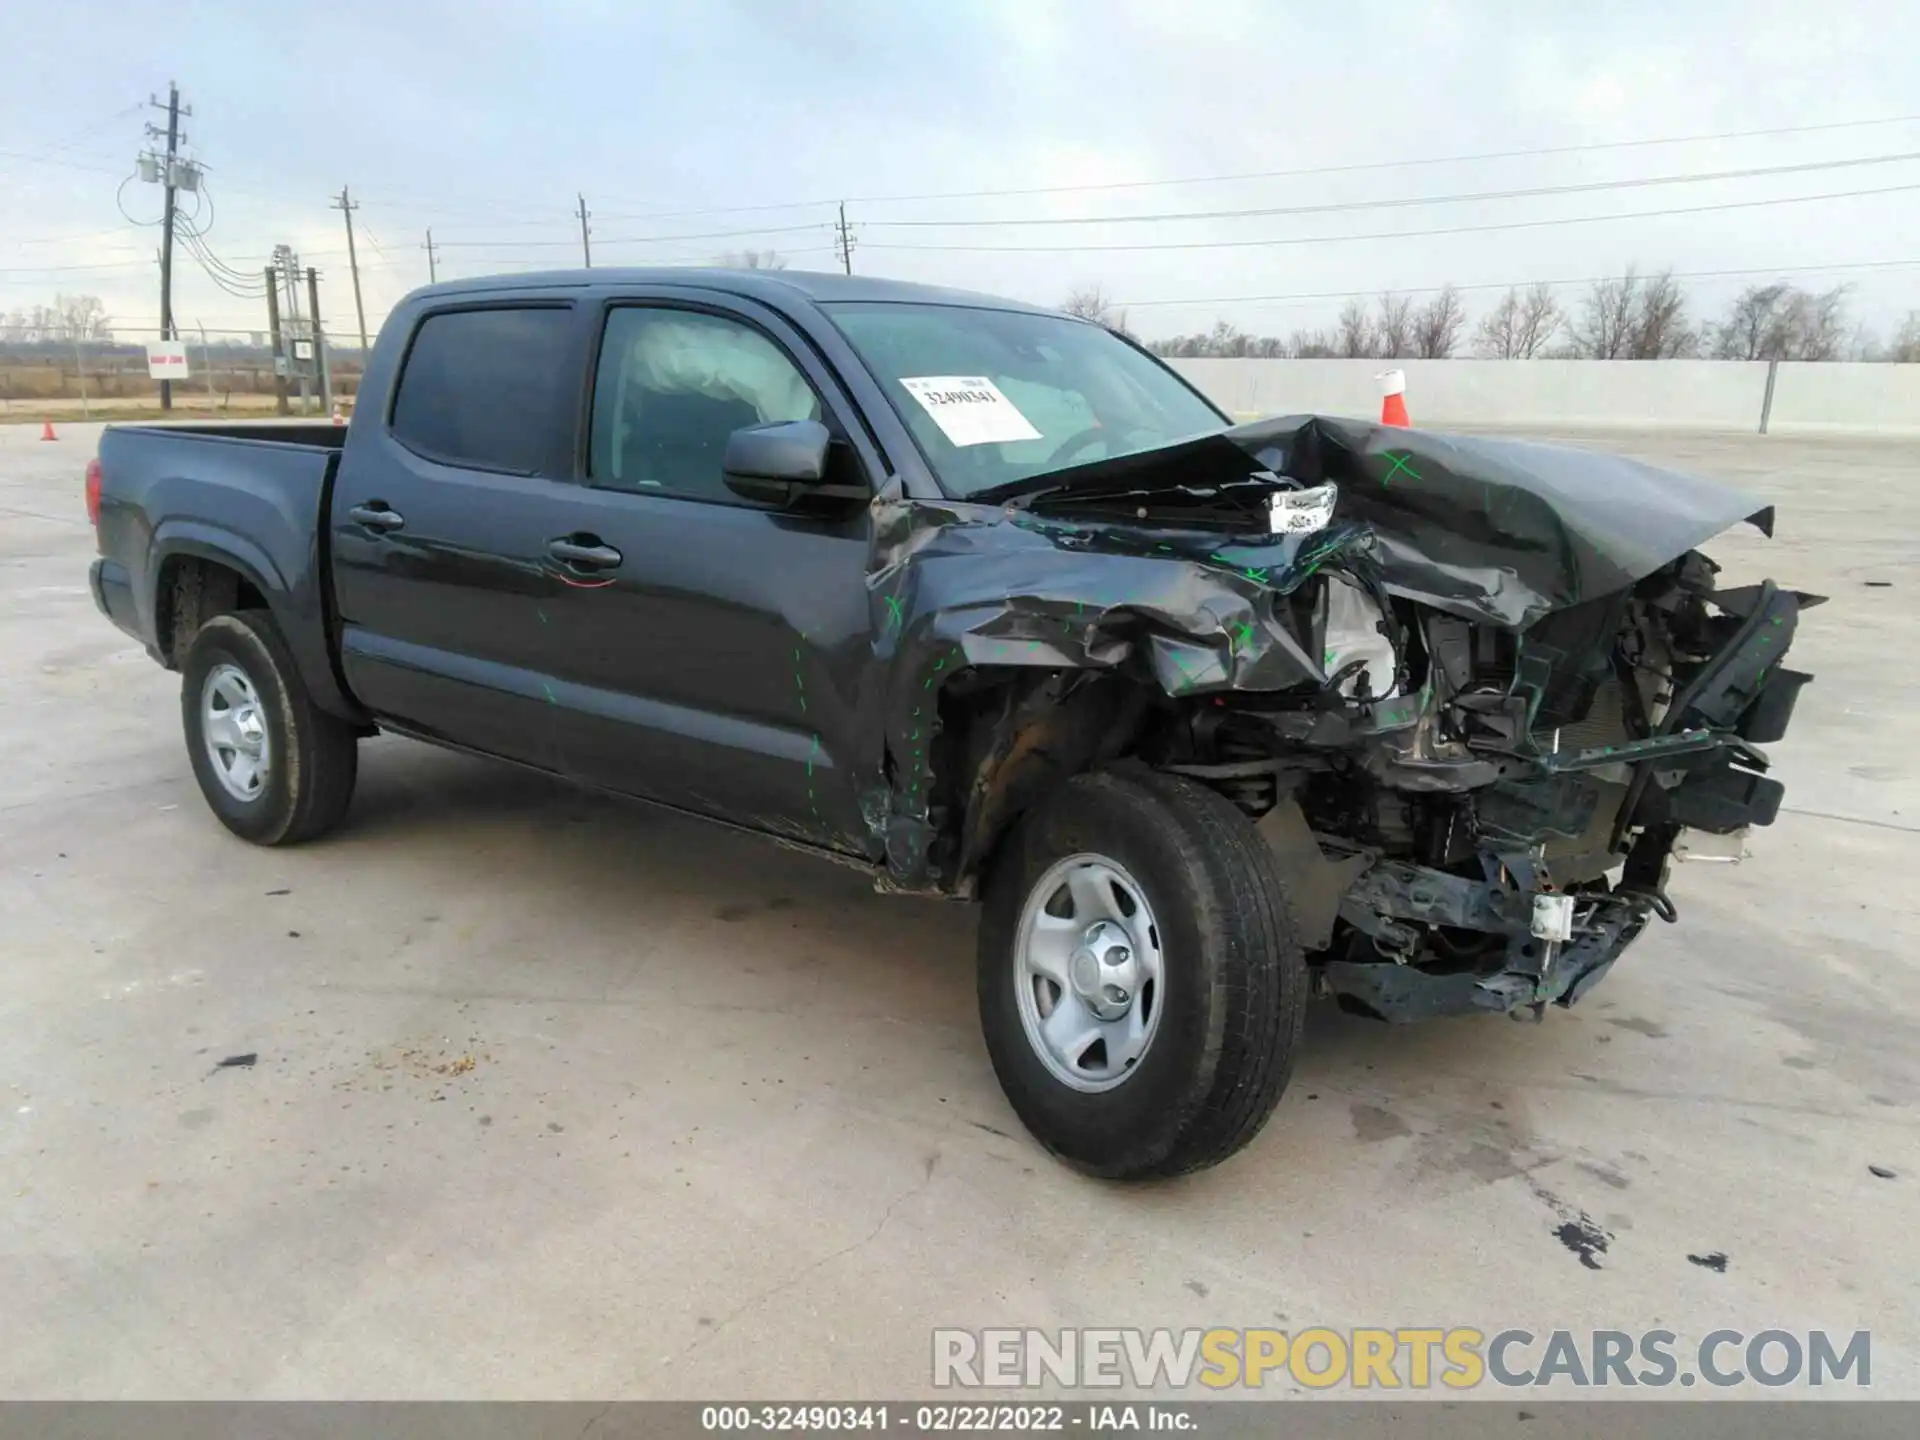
1398 202
61 164
1289 174
625 239
1396 234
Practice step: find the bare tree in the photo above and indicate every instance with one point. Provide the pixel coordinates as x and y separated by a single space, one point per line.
753 260
1540 318
1660 330
1905 347
1393 331
1604 330
1227 339
1313 345
1090 302
1751 330
81 317
1356 340
1818 324
1437 325
1519 327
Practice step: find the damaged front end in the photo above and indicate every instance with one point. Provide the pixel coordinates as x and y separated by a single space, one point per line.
1477 694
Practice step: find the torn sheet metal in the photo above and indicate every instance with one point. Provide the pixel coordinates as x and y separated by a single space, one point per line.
1167 563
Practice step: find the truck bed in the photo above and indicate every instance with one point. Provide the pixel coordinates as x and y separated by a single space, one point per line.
252 496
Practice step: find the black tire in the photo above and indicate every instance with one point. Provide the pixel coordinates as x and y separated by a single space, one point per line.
1235 987
313 756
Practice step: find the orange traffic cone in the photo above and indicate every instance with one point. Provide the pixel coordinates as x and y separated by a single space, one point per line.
46 430
1393 398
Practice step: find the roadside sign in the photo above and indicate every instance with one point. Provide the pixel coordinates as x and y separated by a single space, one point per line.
167 359
303 350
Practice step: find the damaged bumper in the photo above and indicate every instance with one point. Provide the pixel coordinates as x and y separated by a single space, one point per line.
1550 926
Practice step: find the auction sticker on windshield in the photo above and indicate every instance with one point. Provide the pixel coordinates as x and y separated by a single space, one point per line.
969 409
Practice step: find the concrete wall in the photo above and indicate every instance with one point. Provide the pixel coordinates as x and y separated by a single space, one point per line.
1846 397
1641 394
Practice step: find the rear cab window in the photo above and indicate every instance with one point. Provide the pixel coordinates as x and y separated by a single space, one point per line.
488 388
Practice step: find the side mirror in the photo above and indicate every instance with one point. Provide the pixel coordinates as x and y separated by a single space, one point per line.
768 463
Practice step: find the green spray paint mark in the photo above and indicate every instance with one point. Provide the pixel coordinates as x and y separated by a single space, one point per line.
549 689
1244 635
1259 577
894 614
541 613
1399 464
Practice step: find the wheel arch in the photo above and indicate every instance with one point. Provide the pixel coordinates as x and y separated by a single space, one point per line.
199 572
1011 736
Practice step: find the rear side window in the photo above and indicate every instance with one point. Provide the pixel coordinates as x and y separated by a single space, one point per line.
485 388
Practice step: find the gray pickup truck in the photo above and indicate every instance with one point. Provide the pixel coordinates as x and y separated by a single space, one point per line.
989 602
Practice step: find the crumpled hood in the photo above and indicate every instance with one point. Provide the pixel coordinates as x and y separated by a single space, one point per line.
1494 530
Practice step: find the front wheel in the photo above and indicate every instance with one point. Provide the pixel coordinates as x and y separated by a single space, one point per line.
1142 987
275 768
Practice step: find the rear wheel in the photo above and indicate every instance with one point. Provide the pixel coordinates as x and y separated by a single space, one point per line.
272 766
1142 989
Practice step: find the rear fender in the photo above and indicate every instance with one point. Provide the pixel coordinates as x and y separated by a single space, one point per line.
297 612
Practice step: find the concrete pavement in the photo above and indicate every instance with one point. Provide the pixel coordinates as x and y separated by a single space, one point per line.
559 1097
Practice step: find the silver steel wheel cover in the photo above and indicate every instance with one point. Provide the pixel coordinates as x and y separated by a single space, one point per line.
1088 975
233 726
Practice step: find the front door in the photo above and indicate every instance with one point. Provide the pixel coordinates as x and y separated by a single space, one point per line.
716 646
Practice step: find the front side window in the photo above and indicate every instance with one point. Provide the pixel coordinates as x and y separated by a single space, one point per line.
485 388
672 386
996 396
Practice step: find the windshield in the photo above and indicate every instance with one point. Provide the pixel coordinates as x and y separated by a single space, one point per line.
995 396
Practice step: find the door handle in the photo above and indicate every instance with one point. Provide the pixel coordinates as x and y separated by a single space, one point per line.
377 516
587 553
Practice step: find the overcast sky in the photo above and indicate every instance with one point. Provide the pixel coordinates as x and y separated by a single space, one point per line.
483 120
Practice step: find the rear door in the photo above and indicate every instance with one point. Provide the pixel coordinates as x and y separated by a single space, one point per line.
440 523
715 646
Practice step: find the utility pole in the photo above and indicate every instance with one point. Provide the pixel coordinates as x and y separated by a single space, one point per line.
843 240
295 325
433 269
586 241
320 365
206 364
346 206
169 177
279 351
80 364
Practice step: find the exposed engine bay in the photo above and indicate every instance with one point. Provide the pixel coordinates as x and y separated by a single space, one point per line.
1494 823
1476 693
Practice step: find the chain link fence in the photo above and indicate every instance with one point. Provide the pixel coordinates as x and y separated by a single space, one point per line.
101 377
